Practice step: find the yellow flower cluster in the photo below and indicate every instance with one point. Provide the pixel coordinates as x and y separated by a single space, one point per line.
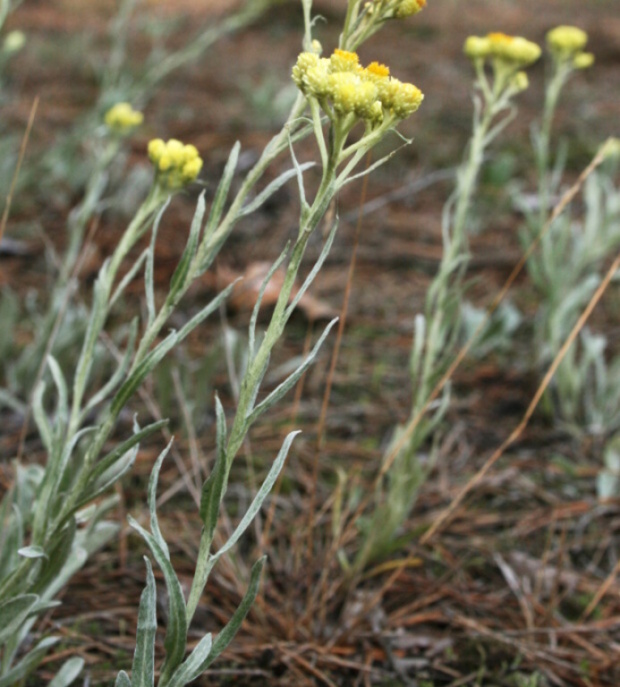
176 164
567 43
513 51
368 93
122 118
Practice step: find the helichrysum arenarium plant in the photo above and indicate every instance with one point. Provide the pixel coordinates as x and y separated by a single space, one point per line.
50 525
437 331
566 269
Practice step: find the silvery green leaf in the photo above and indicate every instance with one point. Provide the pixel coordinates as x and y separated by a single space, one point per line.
205 312
314 271
61 388
180 274
109 477
13 613
122 680
261 495
59 549
152 498
30 661
41 419
68 672
143 667
217 207
107 461
214 485
191 668
95 323
290 382
176 630
274 186
32 552
225 637
128 277
305 208
141 371
75 560
99 536
149 269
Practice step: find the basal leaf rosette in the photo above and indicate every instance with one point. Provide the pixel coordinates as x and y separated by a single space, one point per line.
176 164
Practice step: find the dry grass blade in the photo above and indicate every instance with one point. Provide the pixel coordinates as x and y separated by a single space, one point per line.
20 159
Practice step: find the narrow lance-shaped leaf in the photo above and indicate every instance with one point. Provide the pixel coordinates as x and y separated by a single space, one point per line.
122 449
62 407
32 659
176 630
191 668
143 667
41 419
213 487
205 312
226 636
274 186
13 613
259 300
149 268
217 207
68 673
180 274
261 495
152 496
141 371
290 381
314 271
128 277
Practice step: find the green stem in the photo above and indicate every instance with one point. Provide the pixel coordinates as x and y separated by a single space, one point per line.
254 373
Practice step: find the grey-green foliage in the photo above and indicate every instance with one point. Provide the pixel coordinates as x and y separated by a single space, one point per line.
436 332
565 271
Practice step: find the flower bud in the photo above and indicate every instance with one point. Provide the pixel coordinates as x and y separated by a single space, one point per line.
583 60
567 40
122 118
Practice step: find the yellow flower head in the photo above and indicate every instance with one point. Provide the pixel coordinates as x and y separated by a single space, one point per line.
513 49
477 47
350 94
122 118
566 40
344 61
376 71
368 93
583 60
175 164
407 98
407 8
502 49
